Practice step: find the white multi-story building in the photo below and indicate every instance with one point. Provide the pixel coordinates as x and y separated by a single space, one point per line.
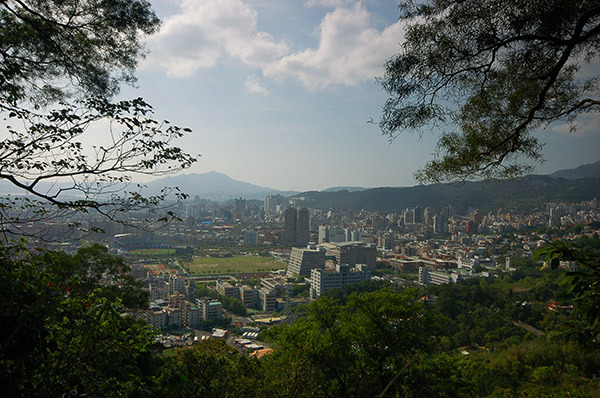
568 265
468 262
158 289
428 276
322 280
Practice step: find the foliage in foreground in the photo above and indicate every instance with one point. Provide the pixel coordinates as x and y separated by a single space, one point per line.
62 328
64 333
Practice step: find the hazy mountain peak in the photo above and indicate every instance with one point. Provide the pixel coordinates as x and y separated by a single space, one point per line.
591 170
213 185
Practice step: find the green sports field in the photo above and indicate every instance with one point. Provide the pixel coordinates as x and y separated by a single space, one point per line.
153 252
232 265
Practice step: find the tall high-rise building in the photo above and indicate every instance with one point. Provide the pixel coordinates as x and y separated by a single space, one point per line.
409 217
289 225
323 234
240 205
427 216
295 226
440 223
471 227
418 215
555 214
302 230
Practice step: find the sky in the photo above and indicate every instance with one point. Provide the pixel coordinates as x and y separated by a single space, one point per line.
279 93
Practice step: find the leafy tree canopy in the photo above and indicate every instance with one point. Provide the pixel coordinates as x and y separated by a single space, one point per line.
495 72
361 348
583 282
61 61
50 49
63 328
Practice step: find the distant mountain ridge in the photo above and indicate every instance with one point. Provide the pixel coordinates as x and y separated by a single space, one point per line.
581 183
349 189
584 171
523 193
572 185
213 185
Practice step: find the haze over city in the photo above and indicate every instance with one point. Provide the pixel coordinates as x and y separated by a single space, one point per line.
280 94
203 200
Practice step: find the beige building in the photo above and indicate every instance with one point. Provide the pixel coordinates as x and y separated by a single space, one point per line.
267 299
227 289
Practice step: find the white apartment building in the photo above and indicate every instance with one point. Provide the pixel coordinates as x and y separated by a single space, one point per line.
428 276
322 280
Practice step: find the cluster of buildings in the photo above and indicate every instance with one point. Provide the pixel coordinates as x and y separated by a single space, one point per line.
304 259
263 297
330 265
174 301
440 247
471 266
161 286
177 312
332 248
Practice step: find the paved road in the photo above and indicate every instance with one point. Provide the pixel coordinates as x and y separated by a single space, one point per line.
529 328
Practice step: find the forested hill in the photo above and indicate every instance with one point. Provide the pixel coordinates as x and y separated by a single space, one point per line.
523 193
584 171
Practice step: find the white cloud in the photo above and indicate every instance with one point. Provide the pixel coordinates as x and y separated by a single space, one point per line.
350 51
585 125
328 3
206 30
253 85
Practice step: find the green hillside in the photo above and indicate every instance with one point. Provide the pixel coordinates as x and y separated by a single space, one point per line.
524 193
